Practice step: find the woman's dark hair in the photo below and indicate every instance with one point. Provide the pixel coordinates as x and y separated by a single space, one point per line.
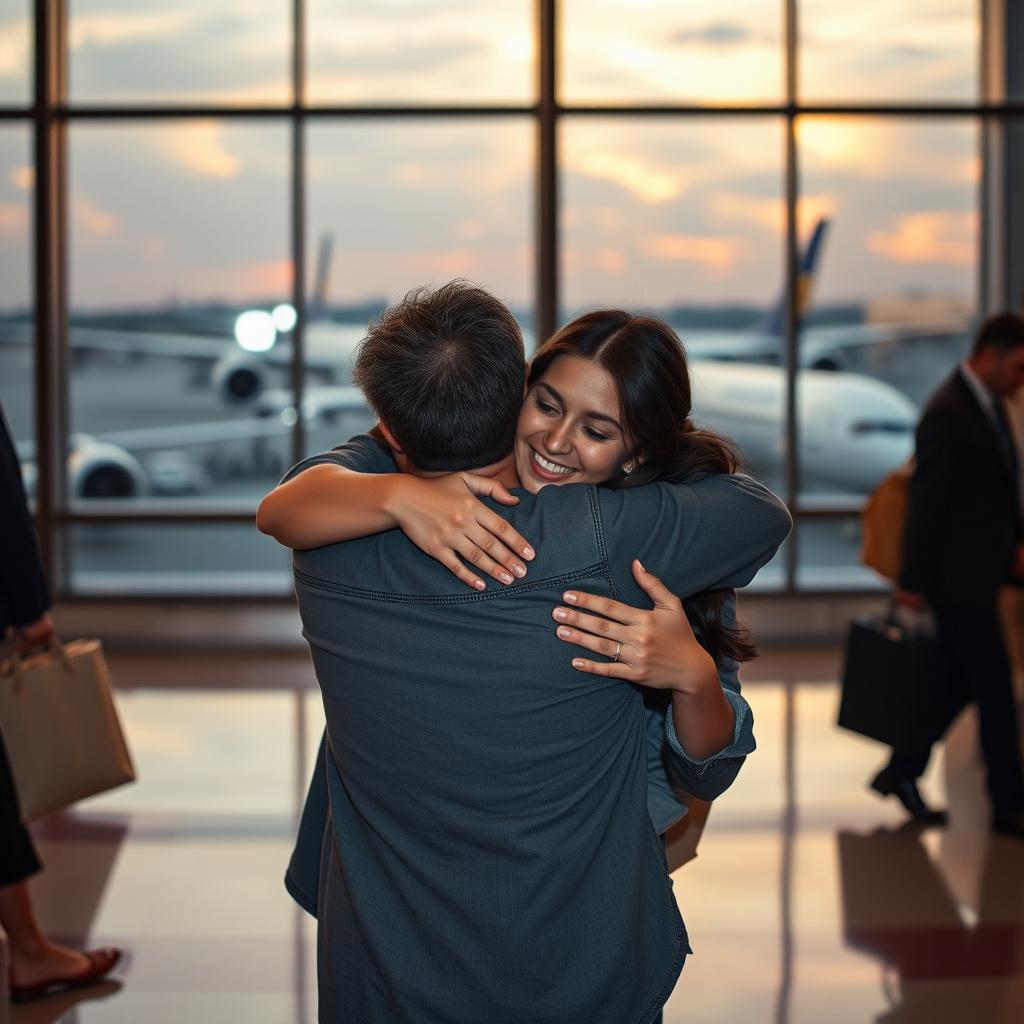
645 358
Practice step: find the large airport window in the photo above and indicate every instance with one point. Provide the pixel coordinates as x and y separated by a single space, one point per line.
108 559
194 174
188 50
429 51
875 50
829 556
15 51
895 292
712 51
16 319
684 219
178 257
772 576
395 205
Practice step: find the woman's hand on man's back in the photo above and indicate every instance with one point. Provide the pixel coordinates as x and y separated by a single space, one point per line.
444 517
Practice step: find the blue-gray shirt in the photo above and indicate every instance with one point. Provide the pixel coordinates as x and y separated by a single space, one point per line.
490 855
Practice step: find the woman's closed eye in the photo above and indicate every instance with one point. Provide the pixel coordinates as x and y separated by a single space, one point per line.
546 407
595 435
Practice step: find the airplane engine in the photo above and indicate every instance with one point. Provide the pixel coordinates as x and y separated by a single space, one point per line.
99 470
238 378
831 360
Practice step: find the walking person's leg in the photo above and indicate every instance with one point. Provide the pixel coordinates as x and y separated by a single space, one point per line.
974 639
35 963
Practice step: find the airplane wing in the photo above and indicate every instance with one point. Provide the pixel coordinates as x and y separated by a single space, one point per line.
167 345
187 435
275 417
145 343
820 348
731 346
860 335
827 348
317 401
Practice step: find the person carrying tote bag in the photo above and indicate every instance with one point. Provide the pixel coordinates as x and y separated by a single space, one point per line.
36 965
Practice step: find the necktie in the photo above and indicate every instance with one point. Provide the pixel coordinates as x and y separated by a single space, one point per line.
1005 434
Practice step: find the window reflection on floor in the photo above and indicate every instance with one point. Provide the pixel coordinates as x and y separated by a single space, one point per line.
848 915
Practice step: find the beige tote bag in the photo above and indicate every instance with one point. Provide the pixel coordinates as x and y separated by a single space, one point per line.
61 728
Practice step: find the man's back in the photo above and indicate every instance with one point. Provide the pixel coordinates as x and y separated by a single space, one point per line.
491 855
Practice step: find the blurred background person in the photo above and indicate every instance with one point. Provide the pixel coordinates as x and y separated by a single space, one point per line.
37 966
963 541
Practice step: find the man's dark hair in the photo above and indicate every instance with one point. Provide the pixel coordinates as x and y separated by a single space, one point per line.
444 370
1001 331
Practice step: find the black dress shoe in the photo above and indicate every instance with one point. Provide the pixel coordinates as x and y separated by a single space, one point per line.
906 791
1009 824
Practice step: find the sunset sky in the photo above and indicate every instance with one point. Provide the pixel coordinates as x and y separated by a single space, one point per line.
655 211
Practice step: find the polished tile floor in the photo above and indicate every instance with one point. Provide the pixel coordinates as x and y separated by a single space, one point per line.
809 900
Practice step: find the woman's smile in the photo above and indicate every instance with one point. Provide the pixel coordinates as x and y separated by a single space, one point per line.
569 429
547 470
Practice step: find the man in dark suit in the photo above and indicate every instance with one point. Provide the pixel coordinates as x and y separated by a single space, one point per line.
963 541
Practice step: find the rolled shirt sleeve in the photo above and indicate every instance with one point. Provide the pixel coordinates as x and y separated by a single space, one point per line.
710 777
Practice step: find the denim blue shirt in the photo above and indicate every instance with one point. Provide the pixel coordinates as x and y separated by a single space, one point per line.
490 854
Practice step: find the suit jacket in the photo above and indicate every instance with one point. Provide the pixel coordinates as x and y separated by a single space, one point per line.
23 592
963 521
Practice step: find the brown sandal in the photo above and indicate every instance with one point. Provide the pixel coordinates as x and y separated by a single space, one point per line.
101 963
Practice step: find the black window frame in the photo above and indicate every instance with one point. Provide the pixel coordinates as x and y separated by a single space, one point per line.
50 114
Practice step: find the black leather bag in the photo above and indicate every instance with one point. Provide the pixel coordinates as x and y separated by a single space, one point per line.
897 688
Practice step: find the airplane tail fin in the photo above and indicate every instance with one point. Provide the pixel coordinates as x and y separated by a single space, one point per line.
774 323
318 301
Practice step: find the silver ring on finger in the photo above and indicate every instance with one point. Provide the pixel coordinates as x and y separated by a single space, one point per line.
618 650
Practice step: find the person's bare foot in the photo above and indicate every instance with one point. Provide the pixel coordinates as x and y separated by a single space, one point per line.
49 962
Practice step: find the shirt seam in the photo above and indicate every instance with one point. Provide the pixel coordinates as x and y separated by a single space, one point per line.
445 599
602 546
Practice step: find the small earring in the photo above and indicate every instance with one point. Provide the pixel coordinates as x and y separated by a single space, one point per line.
628 468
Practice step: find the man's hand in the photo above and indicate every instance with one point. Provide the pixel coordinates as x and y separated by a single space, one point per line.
656 648
443 517
908 599
36 634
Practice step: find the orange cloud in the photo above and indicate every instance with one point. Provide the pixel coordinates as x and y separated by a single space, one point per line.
717 253
23 177
13 221
648 183
15 46
930 236
611 261
840 142
471 229
240 281
93 218
200 148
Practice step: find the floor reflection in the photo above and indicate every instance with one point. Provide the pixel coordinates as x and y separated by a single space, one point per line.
808 899
898 908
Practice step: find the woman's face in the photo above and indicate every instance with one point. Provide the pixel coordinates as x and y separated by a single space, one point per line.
570 427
